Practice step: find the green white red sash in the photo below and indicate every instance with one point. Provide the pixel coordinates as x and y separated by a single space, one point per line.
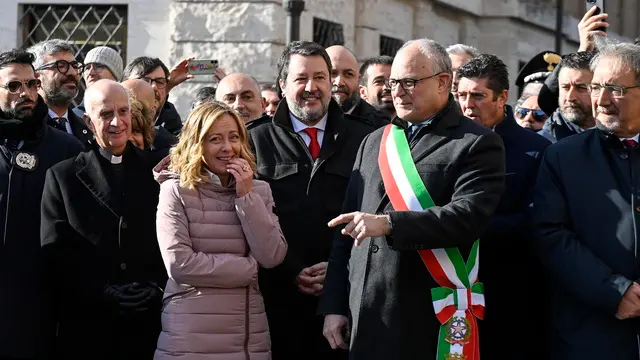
460 299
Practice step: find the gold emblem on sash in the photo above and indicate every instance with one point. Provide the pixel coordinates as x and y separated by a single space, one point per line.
455 357
458 331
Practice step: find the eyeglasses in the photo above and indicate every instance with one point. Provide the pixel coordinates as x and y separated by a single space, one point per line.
407 83
616 90
95 66
161 83
63 66
15 87
538 115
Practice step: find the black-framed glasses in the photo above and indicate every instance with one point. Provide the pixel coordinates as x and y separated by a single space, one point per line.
97 67
63 66
407 83
161 82
616 90
538 115
15 87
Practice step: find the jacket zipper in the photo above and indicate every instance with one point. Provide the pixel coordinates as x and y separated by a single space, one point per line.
246 324
6 215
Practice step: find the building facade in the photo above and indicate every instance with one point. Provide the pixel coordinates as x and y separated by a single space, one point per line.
248 36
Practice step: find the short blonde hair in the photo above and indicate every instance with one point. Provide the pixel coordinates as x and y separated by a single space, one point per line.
142 120
187 158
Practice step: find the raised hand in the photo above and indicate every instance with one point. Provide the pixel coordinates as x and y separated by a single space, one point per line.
242 172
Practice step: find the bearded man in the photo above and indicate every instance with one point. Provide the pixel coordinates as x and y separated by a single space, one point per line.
305 153
60 74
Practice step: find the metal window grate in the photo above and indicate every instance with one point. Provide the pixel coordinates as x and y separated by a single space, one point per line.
389 46
84 26
327 33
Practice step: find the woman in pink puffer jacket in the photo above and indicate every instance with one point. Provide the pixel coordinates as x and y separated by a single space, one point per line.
215 226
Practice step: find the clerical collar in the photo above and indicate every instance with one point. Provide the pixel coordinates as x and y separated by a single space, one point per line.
114 159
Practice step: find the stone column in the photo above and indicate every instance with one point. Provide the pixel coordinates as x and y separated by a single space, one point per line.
243 36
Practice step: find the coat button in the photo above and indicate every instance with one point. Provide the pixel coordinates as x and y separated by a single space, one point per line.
123 266
374 248
124 225
306 165
84 131
624 156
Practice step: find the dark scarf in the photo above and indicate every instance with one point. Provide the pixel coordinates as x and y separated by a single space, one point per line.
27 129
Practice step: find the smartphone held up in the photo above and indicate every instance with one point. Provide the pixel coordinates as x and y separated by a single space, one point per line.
202 67
599 4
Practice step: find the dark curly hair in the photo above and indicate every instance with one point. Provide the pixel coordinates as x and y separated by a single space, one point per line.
17 56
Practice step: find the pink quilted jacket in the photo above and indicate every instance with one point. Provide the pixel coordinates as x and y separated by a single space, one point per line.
212 243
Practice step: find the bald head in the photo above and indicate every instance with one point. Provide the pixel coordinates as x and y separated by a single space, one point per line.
344 76
242 93
108 114
143 92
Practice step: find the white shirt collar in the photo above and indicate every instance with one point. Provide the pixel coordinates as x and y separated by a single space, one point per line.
636 138
53 115
299 125
352 108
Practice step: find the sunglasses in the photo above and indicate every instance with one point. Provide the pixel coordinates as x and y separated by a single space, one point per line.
15 87
538 115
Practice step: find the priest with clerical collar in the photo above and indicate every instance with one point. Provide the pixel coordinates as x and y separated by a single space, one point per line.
99 239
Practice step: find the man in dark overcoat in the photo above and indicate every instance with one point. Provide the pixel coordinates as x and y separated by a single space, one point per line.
28 148
507 255
586 214
99 239
381 280
305 153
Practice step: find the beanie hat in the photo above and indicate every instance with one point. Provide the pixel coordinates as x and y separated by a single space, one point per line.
108 57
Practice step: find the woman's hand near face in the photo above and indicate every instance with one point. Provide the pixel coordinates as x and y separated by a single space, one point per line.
243 174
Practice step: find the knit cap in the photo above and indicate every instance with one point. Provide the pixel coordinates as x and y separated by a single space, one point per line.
108 57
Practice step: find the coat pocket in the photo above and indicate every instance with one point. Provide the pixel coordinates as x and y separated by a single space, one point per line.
277 171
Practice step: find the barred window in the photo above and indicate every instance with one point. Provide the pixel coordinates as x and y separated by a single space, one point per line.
84 26
389 46
327 33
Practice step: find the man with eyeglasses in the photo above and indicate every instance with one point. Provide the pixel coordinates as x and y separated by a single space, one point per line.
483 91
586 214
101 62
60 73
574 113
28 147
376 274
305 153
345 90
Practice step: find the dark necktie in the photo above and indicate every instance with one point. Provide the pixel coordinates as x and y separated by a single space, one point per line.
59 123
314 145
630 143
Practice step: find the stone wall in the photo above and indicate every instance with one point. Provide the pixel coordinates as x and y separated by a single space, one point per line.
249 35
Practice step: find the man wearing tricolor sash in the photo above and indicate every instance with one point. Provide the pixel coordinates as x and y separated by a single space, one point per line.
402 280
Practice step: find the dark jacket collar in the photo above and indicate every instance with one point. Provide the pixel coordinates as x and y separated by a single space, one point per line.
560 127
90 172
446 117
508 124
31 130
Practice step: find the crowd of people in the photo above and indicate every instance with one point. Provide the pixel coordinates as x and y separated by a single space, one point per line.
337 214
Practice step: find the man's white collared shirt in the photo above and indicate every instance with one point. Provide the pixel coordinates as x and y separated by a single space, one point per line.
67 125
299 126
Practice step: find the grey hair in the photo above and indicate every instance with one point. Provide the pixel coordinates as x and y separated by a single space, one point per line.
49 47
435 52
89 93
462 49
623 54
